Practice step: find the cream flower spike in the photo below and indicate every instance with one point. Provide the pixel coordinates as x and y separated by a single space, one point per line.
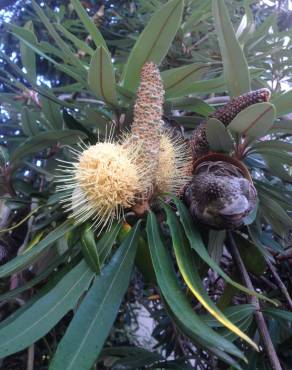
105 179
175 164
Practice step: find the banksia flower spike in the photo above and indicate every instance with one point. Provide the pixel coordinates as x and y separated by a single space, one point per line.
147 124
105 179
167 157
175 164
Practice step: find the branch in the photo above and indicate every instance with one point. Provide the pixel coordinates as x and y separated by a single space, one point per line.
280 283
262 326
30 358
218 100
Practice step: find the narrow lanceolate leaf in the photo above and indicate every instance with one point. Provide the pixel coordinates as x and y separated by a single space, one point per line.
101 77
88 247
218 137
44 314
216 240
175 298
79 44
89 24
187 267
63 46
283 103
20 262
197 244
217 84
105 244
254 121
234 62
154 42
28 122
177 79
45 139
27 55
91 325
52 113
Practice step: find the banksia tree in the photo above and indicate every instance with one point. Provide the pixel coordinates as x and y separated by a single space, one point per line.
203 214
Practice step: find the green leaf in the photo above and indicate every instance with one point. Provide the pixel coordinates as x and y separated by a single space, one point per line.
88 247
246 27
177 79
277 168
201 12
197 244
234 313
4 156
283 103
50 268
20 262
218 137
175 298
261 31
39 318
73 124
278 314
52 113
187 267
89 24
91 325
271 145
105 243
216 244
28 122
131 357
154 42
274 208
191 104
217 84
79 44
253 259
27 55
44 140
70 57
101 77
234 62
144 262
254 121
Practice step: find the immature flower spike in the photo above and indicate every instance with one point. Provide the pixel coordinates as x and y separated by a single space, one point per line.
147 123
105 179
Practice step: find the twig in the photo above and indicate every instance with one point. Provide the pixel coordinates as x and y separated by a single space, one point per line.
262 326
30 358
280 283
218 100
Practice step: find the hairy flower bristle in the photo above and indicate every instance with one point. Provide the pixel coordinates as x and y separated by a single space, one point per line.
105 179
147 123
175 164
